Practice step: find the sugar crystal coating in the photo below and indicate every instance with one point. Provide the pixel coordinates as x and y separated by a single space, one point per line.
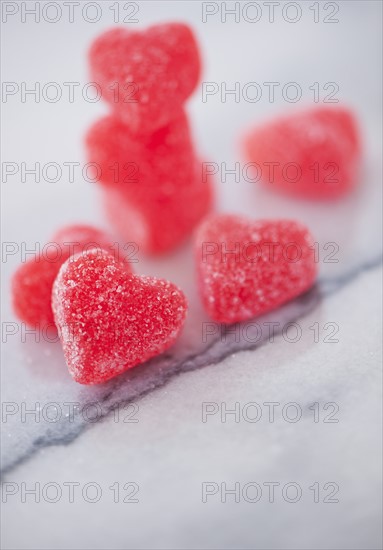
110 320
155 190
161 223
159 163
246 268
146 75
31 285
314 153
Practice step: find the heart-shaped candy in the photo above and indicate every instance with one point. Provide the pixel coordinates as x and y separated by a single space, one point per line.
146 75
160 223
32 281
110 320
157 164
246 268
314 153
155 189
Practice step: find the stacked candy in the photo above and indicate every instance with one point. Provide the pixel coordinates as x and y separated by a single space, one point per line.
153 188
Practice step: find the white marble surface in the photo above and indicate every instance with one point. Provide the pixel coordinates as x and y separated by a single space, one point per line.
170 452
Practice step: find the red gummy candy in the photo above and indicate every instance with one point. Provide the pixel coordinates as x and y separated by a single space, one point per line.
146 165
156 190
161 223
246 268
146 75
32 282
314 153
110 320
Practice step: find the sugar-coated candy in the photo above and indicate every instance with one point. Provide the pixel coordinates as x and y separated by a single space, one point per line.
110 320
158 163
161 222
156 193
313 153
146 75
246 268
32 281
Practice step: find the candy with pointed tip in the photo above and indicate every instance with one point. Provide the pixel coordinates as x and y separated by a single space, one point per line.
313 153
246 268
110 320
